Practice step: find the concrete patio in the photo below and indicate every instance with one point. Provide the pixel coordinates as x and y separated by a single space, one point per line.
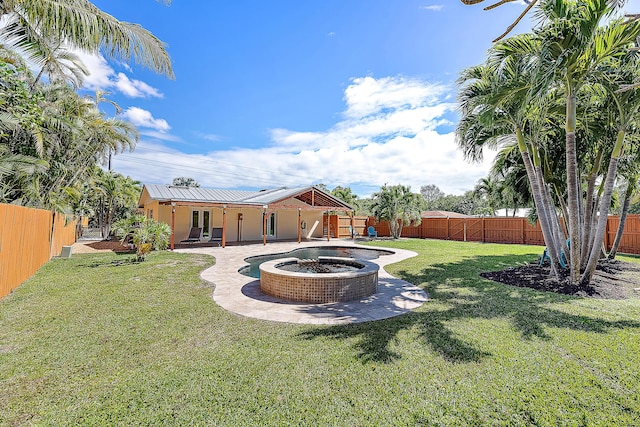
241 294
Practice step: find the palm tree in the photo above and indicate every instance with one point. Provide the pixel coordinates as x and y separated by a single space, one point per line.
570 53
627 104
58 63
630 171
113 193
530 4
616 4
490 189
495 105
572 46
397 205
83 26
509 169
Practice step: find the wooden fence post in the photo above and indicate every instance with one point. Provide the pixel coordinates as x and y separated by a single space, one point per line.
464 227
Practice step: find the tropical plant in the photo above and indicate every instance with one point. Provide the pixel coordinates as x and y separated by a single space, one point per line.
490 189
397 205
527 9
146 234
514 97
50 137
113 198
630 170
81 25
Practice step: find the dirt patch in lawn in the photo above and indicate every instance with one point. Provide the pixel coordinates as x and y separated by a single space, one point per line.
87 247
613 280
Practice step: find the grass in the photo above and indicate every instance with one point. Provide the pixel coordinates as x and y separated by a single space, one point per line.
99 340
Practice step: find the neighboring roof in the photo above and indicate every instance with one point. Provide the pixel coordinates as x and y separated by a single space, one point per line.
312 196
520 212
443 214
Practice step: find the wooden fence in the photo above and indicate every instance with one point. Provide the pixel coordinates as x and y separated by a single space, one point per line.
341 225
28 239
507 230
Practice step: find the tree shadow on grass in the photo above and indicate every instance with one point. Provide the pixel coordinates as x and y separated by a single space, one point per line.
457 292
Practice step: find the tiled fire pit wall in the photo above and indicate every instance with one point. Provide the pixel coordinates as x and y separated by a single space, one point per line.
319 287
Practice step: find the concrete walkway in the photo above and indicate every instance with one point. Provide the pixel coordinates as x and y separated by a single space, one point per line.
241 294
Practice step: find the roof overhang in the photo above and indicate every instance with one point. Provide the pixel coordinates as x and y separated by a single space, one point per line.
310 198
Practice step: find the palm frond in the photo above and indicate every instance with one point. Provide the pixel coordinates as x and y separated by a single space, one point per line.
86 27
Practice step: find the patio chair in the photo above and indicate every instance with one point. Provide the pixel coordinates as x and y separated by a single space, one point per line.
353 232
194 235
371 232
216 235
563 257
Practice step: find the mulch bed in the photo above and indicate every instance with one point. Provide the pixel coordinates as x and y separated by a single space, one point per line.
613 280
112 245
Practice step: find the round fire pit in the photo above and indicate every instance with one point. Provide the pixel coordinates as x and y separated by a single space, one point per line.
327 279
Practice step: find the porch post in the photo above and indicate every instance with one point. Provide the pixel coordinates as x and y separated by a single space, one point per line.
328 227
264 225
224 226
299 225
353 224
173 224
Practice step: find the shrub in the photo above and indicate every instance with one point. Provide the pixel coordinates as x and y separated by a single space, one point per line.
146 234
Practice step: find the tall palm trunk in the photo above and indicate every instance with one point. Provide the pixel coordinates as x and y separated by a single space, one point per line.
605 201
589 208
559 236
572 187
538 200
623 218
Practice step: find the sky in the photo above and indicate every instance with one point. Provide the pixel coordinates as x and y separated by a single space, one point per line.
272 93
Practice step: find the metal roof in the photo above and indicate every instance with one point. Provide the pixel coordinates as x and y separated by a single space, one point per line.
167 193
196 194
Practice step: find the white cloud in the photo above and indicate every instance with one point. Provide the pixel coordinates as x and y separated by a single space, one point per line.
135 88
103 77
100 72
144 118
388 134
366 95
433 7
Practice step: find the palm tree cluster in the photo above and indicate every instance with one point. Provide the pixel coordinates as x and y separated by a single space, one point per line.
51 137
551 100
501 189
398 205
527 9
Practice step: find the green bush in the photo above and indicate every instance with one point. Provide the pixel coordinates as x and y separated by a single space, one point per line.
146 234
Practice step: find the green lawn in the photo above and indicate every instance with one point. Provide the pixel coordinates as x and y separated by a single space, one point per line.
99 340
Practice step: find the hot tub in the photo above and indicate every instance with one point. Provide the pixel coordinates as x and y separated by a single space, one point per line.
307 285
